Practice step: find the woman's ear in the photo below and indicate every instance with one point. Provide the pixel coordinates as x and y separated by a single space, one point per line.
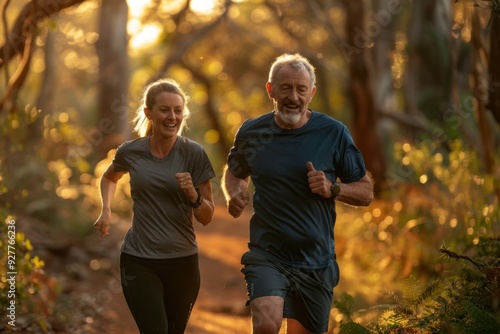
147 113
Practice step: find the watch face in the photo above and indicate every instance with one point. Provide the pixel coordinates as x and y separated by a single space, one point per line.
335 190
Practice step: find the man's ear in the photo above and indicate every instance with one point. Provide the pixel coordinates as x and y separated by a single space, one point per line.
269 88
313 91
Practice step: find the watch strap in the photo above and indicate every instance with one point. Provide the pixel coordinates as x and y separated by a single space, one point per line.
199 200
335 190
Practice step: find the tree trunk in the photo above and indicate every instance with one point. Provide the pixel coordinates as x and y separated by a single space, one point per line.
480 87
494 67
384 55
113 113
45 100
361 95
430 57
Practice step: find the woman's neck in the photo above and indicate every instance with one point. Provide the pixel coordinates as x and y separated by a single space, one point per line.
160 147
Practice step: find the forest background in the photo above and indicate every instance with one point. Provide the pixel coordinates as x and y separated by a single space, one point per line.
416 82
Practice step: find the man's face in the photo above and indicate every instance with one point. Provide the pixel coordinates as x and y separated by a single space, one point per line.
292 91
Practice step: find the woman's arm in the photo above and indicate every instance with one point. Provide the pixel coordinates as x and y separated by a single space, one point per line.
107 191
205 212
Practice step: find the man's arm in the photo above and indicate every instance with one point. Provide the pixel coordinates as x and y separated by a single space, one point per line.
359 193
235 192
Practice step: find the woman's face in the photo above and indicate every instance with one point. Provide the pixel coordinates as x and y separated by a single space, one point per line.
167 114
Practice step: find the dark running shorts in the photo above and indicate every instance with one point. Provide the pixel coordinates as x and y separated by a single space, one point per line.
307 293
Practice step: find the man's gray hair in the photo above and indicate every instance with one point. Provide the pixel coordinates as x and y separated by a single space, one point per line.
296 61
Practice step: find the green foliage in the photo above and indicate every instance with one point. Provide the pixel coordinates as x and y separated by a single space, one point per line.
44 173
352 328
438 198
26 285
444 196
461 194
463 302
344 304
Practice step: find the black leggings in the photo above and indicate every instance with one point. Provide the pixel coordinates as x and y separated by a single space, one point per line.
160 292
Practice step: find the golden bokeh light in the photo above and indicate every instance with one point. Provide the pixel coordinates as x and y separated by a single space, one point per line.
211 136
143 35
234 118
140 35
423 178
203 6
63 117
136 7
215 67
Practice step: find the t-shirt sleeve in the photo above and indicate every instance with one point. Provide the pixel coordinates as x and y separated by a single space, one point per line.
119 161
236 160
202 169
351 166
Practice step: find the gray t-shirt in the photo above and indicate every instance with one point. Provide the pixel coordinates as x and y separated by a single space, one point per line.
162 225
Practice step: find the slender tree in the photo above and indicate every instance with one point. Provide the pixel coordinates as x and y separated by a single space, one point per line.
494 65
365 120
111 126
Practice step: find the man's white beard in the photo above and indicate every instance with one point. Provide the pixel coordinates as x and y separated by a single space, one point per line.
290 119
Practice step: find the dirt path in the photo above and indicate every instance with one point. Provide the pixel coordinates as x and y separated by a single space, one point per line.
220 306
87 271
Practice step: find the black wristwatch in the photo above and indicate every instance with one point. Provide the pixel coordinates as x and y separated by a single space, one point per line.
199 200
335 190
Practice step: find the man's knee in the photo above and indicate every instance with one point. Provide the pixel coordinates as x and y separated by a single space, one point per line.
267 314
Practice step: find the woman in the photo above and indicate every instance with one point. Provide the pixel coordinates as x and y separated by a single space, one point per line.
170 184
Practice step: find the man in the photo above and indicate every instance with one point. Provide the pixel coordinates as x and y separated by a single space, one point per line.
294 156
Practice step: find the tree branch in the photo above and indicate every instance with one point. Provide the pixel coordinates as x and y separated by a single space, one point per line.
25 24
6 30
17 79
182 47
20 40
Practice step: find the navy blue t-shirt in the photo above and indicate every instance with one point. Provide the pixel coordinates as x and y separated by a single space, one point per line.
290 223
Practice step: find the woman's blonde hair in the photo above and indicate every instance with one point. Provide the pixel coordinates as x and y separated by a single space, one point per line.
142 125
